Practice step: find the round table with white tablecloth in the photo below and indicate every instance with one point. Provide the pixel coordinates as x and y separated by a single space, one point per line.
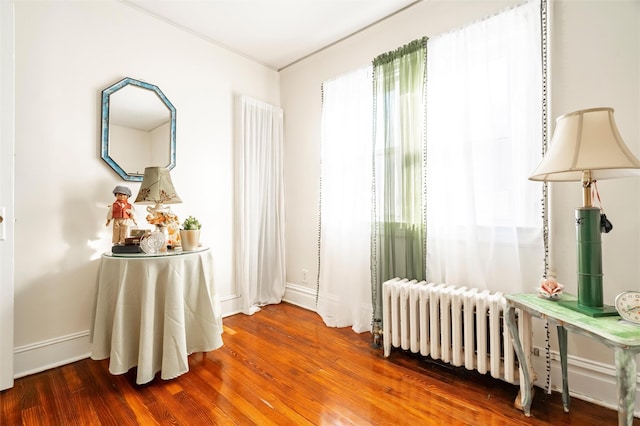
153 311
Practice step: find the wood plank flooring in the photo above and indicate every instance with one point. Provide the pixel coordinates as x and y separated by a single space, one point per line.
283 366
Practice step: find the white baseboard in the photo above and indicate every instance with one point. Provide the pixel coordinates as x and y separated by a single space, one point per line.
231 305
300 296
40 356
589 380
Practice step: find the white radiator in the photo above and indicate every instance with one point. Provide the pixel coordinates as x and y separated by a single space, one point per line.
456 325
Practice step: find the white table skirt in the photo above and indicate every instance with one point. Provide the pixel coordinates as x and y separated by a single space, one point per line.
152 312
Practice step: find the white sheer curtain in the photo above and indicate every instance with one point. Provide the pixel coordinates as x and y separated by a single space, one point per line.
259 206
344 288
484 138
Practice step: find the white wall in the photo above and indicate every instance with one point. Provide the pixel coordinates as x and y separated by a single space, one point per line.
66 53
596 59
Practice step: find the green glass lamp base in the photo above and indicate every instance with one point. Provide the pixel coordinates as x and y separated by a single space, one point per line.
605 311
589 251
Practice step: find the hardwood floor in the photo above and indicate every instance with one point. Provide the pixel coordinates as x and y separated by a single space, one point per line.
283 366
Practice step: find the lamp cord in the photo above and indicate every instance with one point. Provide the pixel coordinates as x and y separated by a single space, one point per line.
596 194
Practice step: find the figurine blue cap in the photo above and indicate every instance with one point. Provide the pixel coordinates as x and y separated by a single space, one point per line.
122 190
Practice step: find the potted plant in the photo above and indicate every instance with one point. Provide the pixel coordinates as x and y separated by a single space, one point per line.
190 233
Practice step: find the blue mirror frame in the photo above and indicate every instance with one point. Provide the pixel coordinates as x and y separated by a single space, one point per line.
104 149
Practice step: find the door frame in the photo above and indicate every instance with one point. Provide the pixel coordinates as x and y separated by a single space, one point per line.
7 177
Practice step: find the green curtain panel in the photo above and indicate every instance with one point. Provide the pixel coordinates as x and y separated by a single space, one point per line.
398 234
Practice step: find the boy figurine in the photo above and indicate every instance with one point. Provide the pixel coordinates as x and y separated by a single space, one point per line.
121 212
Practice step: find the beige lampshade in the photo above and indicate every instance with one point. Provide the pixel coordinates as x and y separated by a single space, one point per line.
157 187
586 140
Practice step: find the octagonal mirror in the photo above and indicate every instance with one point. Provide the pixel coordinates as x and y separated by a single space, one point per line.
138 128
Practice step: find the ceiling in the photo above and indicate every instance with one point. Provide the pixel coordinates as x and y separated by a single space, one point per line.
275 33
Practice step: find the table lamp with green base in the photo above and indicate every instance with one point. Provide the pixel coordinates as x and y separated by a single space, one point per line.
587 147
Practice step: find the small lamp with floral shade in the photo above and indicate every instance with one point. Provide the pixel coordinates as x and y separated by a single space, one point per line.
157 191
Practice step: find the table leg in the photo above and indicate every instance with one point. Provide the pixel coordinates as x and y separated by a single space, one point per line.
626 376
525 387
562 344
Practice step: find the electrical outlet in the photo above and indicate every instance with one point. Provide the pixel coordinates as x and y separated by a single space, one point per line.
536 351
304 275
